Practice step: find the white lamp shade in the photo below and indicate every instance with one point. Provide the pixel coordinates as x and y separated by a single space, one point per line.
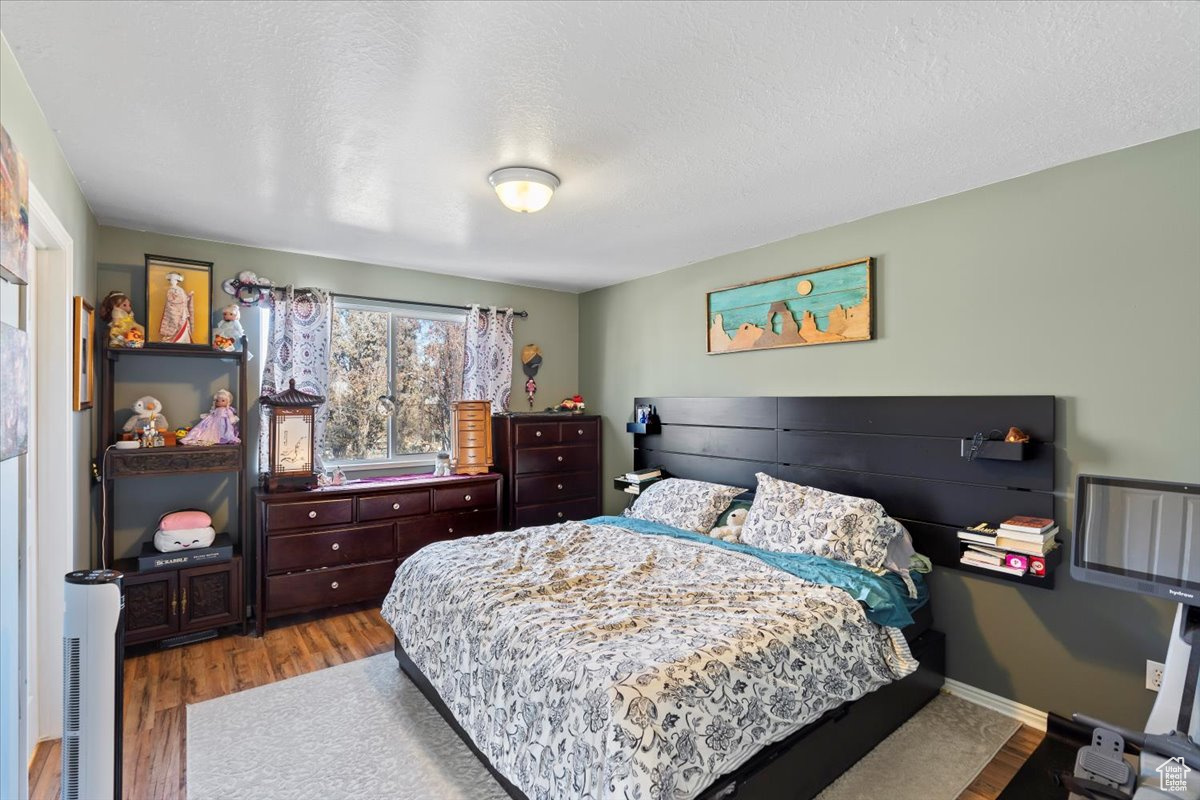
523 189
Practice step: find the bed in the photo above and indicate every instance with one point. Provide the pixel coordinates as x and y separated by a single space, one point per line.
608 659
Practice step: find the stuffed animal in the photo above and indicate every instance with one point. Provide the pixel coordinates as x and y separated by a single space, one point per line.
731 531
184 530
146 410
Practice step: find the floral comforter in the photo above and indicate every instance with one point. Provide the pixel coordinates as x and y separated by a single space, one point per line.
589 661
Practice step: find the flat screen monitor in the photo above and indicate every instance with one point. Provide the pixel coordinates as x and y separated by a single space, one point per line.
1138 535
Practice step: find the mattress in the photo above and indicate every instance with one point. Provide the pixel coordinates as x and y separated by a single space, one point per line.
587 660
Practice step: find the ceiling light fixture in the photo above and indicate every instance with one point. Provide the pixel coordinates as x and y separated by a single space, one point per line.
523 189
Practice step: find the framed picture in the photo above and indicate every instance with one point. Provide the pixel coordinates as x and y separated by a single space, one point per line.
14 391
817 306
178 302
14 212
82 359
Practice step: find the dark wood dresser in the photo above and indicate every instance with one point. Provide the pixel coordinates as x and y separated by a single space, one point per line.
326 547
551 467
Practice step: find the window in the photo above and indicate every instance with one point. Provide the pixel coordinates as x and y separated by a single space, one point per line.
404 359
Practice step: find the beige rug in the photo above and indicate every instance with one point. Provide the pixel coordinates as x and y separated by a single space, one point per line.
362 730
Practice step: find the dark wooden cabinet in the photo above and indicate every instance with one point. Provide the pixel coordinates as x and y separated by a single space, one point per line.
162 604
551 467
337 545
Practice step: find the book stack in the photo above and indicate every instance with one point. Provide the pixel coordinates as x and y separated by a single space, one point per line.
639 478
1017 546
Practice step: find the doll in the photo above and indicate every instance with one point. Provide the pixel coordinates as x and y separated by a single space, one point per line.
218 426
229 330
123 330
178 314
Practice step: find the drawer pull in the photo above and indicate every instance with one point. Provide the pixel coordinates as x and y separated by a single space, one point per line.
537 433
560 458
467 497
450 530
333 585
560 487
560 515
395 506
580 431
312 515
337 546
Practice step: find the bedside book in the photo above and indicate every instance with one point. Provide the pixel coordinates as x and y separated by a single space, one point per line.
994 567
1027 524
981 533
1029 548
1032 538
219 552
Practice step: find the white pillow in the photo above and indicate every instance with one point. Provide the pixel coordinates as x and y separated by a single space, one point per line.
790 518
680 503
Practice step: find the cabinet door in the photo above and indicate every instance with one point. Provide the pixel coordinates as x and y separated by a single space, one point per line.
151 606
210 597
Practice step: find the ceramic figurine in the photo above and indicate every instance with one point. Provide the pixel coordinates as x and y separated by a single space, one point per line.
228 331
218 426
123 330
441 467
147 417
339 477
179 311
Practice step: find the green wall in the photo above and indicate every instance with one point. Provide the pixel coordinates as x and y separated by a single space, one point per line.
552 324
1081 281
22 117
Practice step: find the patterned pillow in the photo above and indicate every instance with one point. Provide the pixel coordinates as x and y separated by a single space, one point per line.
690 505
790 518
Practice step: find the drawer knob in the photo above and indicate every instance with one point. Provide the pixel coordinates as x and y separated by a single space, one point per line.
333 585
560 458
312 515
560 486
580 431
395 506
537 433
467 497
560 515
450 530
337 546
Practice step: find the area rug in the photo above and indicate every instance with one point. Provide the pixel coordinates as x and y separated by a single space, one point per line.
934 755
362 730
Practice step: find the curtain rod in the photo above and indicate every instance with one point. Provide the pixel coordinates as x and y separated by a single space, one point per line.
411 302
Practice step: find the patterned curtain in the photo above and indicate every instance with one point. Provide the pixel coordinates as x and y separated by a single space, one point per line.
298 347
487 368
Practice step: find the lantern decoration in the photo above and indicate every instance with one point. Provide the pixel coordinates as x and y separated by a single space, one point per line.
291 464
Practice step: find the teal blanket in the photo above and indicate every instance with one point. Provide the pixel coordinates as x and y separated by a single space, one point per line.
884 596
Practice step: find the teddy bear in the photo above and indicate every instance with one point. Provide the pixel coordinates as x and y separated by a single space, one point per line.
731 531
146 410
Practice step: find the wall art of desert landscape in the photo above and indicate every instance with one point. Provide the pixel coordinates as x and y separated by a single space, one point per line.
817 306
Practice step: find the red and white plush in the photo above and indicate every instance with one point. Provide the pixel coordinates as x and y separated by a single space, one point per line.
184 530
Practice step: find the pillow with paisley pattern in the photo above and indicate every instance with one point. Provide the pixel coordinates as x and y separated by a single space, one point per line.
790 518
681 503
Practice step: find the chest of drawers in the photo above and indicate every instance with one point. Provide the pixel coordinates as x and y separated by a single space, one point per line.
471 436
342 545
551 467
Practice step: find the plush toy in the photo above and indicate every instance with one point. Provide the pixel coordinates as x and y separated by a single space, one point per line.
146 411
731 531
184 530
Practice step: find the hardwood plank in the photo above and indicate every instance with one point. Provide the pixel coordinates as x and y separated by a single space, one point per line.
995 776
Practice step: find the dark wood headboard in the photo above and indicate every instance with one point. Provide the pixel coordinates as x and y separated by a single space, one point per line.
904 452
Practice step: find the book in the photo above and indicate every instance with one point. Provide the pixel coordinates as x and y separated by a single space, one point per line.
976 553
1027 524
994 567
1028 548
981 532
641 475
220 551
1032 538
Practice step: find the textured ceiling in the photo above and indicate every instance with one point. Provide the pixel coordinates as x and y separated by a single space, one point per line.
681 131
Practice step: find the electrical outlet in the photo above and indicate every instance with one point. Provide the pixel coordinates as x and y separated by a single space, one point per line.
1154 675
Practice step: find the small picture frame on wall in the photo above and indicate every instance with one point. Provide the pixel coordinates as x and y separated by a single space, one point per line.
178 302
82 359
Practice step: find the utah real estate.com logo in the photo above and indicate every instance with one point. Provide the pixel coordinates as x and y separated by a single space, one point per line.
1172 775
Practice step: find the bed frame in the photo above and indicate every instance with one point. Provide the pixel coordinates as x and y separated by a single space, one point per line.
905 452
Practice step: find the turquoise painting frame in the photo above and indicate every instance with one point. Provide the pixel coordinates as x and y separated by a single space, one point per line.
816 306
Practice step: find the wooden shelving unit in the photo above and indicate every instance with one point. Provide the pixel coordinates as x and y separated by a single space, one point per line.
157 603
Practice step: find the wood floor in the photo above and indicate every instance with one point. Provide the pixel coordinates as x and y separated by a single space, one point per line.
160 683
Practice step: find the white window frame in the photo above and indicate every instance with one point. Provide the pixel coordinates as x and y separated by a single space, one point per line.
413 311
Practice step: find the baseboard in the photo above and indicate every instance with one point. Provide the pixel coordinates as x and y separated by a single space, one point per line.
1026 715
